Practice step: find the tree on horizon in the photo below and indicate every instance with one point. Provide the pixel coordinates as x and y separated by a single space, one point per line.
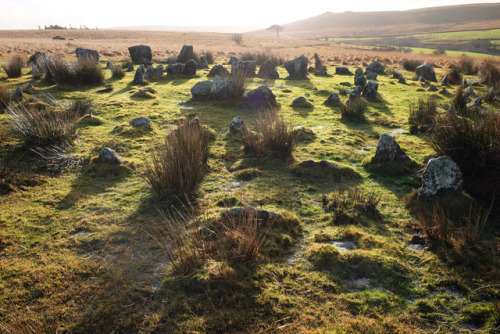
276 28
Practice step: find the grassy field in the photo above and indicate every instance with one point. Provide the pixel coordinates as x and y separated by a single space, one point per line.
459 36
80 251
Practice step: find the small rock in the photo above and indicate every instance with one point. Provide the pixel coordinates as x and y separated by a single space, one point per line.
355 93
468 92
263 215
19 91
237 125
130 68
218 70
477 102
109 65
301 102
402 79
371 75
109 156
342 70
347 84
388 150
140 122
432 88
246 68
320 68
175 68
441 174
344 246
153 73
203 63
232 60
333 100
261 98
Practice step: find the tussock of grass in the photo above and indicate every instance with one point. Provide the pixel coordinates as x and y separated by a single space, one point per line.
411 64
272 137
422 115
4 96
354 110
490 72
14 66
83 72
177 167
348 204
42 127
117 72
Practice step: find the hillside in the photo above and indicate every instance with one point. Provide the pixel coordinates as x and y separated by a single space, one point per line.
389 23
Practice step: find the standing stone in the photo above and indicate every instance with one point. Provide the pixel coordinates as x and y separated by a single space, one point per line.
274 74
109 65
401 79
139 75
175 68
320 68
203 64
468 92
154 73
370 90
222 89
189 68
201 90
432 88
237 125
441 174
139 122
261 98
297 68
186 54
140 52
37 57
109 156
82 53
130 68
333 100
375 67
301 102
371 75
218 70
266 69
246 68
355 93
342 70
232 60
19 91
359 78
426 71
388 150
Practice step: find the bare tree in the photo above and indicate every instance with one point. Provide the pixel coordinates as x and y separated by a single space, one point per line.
276 28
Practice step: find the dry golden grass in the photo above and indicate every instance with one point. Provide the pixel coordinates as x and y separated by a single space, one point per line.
113 45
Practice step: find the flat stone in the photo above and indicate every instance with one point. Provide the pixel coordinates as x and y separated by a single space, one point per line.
140 122
344 246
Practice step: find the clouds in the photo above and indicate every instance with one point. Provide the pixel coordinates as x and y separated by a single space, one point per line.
28 14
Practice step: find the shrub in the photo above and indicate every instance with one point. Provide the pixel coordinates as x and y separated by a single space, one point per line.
42 127
422 115
411 64
354 110
467 66
117 72
4 96
238 39
177 167
454 77
490 73
474 145
209 57
14 66
84 72
272 137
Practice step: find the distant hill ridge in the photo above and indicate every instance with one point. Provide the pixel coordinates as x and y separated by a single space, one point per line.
388 23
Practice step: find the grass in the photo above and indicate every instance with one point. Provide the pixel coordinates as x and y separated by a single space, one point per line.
4 96
271 137
14 66
42 127
177 167
117 72
79 248
354 110
422 115
84 72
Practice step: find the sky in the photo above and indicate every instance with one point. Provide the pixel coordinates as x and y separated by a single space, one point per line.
29 14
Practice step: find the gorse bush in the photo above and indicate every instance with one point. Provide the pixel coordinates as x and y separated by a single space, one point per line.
83 72
474 145
422 115
354 110
42 127
411 64
117 72
177 167
272 137
14 66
